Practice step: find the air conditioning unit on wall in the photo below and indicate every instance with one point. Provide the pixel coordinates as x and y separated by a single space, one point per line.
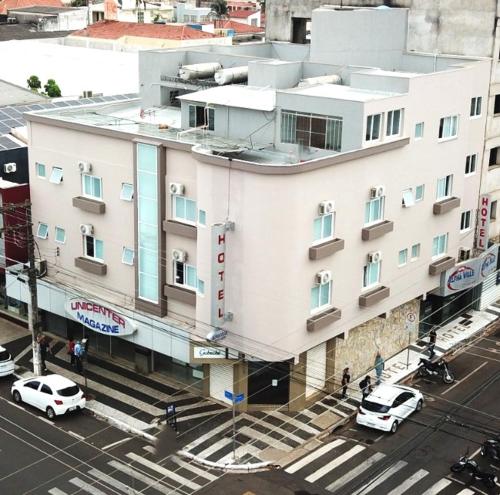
323 276
326 207
9 168
464 254
179 255
374 257
84 167
86 229
377 192
176 188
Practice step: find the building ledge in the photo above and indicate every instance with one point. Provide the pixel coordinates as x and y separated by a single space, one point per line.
90 205
441 265
91 266
179 228
377 230
326 249
374 296
180 294
323 319
445 206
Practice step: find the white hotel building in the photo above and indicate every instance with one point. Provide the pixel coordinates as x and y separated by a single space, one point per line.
340 203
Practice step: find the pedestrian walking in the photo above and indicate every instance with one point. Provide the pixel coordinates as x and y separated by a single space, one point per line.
44 346
366 386
71 351
346 378
432 342
78 353
379 367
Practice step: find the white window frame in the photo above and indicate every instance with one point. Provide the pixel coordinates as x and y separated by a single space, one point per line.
465 221
408 198
448 128
419 134
323 237
415 247
422 188
448 187
56 229
186 268
320 308
366 269
390 129
126 250
174 210
370 127
439 238
56 175
91 194
476 104
405 254
471 164
41 225
37 168
382 207
86 255
125 197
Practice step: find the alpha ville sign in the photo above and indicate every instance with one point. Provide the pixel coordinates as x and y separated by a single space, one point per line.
99 318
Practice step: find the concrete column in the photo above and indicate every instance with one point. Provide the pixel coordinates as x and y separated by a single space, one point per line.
240 384
332 381
298 384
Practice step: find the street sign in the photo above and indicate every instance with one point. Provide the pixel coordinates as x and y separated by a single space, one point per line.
239 398
410 323
235 399
171 416
228 395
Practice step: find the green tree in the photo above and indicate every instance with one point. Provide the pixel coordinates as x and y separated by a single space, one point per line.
34 83
218 9
52 89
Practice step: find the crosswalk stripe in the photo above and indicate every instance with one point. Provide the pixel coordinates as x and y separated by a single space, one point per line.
220 444
294 422
200 403
437 487
371 485
414 478
194 469
334 463
309 414
257 435
313 456
56 491
210 434
278 429
151 482
240 452
86 487
353 473
336 411
344 403
112 482
150 449
201 415
466 491
163 471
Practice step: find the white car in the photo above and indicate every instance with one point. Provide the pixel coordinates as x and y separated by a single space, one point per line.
6 362
53 394
387 407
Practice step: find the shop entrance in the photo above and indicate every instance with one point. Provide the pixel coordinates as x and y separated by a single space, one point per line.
268 383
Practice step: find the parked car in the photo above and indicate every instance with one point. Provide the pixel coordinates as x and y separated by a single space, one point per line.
387 406
53 394
6 362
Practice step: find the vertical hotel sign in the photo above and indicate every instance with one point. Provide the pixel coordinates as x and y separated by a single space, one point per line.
483 222
218 274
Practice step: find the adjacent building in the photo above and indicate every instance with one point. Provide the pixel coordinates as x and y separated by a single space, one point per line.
265 214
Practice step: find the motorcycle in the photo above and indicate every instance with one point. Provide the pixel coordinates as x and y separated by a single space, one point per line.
466 464
491 448
429 368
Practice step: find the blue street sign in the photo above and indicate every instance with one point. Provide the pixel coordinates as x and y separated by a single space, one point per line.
234 398
239 398
228 395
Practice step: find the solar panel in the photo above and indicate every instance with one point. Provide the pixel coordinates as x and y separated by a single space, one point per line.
8 144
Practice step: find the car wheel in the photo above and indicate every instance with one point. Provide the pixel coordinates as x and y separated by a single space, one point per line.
394 427
419 405
50 413
17 397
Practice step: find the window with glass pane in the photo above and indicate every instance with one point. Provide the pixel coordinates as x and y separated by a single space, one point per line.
200 116
403 257
419 130
184 209
475 106
56 176
128 256
448 127
444 187
371 274
320 296
93 248
408 198
60 235
40 170
323 227
415 251
419 192
374 210
42 231
470 164
92 186
127 192
465 220
202 217
373 127
201 287
393 122
185 275
440 245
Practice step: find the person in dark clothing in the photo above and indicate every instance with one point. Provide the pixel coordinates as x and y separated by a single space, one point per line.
366 386
43 343
78 353
71 351
432 342
346 378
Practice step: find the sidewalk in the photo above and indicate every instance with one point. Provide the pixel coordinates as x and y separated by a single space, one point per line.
136 403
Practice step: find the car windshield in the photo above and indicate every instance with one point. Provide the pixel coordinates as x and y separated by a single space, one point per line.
69 391
4 355
374 407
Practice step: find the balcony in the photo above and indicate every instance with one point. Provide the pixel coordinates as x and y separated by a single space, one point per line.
91 266
326 249
90 205
323 319
377 230
445 205
180 294
374 296
441 265
178 228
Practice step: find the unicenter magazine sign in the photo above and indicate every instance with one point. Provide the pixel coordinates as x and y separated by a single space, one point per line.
99 318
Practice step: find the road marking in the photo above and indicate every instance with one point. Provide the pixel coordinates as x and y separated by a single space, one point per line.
335 463
379 437
313 456
257 435
163 471
437 487
210 434
344 403
86 487
360 468
381 478
309 414
56 491
481 356
278 429
294 422
474 454
194 469
464 378
119 442
414 478
215 447
112 482
466 491
150 449
23 353
76 435
45 420
201 415
240 452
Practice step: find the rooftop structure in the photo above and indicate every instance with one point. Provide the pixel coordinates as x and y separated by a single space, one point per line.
6 5
11 94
